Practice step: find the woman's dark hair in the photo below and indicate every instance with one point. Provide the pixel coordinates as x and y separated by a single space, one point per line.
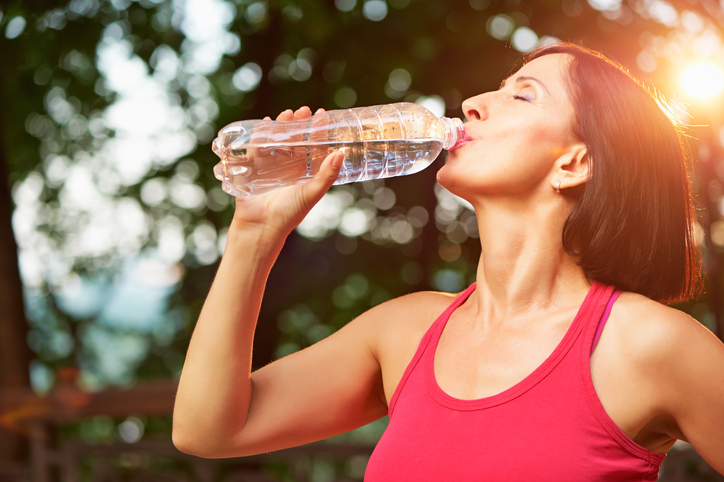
632 225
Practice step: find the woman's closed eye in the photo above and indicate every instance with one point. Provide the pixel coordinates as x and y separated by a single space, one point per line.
526 97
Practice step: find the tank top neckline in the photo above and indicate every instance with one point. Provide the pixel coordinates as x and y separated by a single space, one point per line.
583 317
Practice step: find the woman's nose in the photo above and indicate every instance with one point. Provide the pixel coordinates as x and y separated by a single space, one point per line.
474 108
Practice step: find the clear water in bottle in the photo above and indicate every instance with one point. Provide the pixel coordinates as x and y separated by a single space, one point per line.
258 157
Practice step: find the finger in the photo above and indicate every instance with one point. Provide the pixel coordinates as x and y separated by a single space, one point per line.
303 112
287 115
324 179
320 117
261 131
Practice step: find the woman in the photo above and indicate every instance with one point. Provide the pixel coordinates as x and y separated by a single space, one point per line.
579 183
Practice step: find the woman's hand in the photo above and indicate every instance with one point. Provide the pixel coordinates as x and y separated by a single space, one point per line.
276 214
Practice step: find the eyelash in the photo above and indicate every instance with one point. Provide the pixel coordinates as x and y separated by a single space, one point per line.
519 97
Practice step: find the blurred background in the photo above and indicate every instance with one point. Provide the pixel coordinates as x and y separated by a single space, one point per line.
112 223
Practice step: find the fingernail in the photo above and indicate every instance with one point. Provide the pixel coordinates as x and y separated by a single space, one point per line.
338 159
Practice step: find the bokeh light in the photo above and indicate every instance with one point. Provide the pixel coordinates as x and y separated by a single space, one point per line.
703 80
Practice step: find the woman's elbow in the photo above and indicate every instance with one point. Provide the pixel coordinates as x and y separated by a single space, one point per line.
207 447
190 443
185 442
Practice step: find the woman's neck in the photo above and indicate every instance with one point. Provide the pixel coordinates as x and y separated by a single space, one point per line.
523 266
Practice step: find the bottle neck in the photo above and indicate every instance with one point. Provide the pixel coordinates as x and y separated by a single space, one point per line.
453 129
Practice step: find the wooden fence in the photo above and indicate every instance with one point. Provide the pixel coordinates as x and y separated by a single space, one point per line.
52 459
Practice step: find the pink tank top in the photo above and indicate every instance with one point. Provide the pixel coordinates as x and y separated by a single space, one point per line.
551 426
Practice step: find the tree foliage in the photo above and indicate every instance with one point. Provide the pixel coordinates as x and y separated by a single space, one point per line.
109 107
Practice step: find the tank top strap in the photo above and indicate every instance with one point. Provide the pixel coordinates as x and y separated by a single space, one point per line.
438 324
604 318
599 307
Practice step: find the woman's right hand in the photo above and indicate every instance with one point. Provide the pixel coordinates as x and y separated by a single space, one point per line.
276 214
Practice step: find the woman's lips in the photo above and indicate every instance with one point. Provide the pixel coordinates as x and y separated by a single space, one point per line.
463 139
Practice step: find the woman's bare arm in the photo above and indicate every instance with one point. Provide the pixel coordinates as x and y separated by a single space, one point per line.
693 385
222 409
680 367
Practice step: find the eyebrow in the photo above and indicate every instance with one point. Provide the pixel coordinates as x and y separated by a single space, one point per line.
523 78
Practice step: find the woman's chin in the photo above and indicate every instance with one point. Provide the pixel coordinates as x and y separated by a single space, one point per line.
443 174
449 179
452 183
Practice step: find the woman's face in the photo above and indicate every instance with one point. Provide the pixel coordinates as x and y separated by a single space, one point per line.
518 133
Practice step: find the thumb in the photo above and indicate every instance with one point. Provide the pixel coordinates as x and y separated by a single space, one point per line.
325 178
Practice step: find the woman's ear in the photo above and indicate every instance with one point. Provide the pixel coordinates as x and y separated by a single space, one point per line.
571 169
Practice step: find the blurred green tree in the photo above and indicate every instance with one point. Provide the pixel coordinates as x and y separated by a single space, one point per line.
109 107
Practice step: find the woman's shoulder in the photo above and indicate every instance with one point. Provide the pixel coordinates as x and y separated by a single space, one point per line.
422 299
674 361
651 332
414 309
644 313
400 323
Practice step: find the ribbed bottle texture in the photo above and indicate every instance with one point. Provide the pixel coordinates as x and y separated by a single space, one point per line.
259 156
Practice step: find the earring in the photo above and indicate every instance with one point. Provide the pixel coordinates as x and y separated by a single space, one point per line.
558 186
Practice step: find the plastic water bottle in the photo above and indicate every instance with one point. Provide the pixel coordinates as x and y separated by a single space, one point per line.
259 156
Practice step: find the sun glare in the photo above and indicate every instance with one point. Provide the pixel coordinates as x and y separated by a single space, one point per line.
703 80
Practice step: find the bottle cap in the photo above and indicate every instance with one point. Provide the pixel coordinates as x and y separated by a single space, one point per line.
463 136
455 133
